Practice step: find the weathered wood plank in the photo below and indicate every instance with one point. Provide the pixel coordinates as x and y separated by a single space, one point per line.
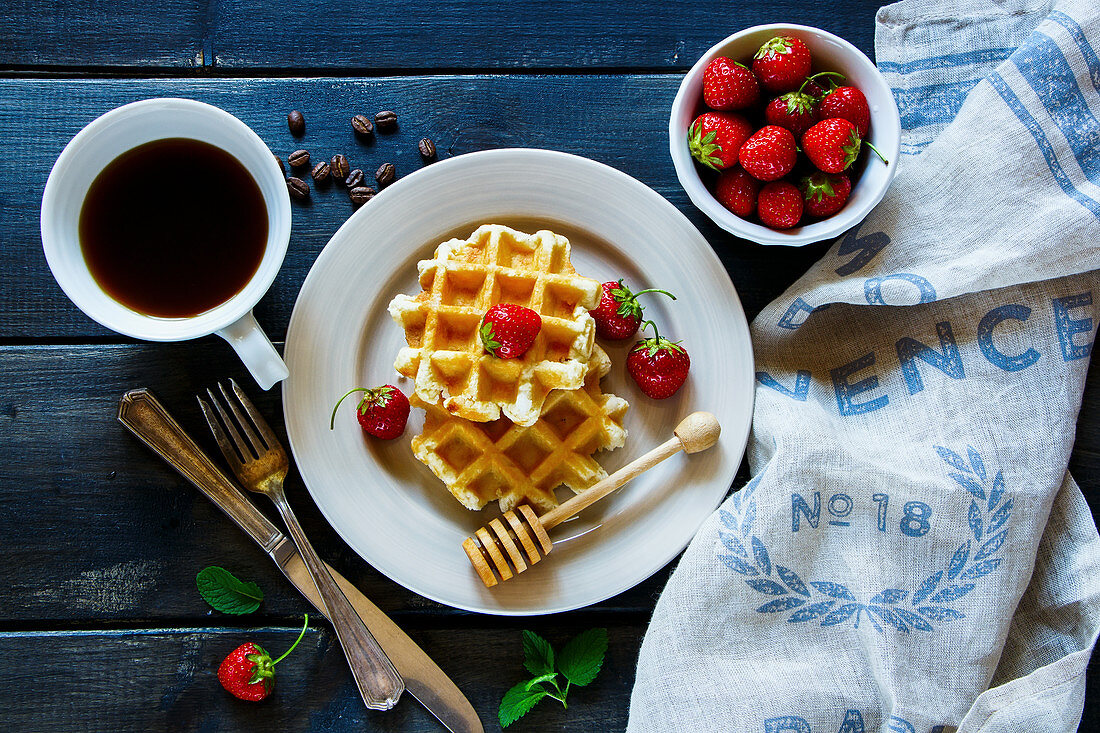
618 120
81 33
120 536
96 526
166 680
336 34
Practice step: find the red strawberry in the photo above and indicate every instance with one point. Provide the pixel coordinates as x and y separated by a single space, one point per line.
769 154
729 85
619 314
248 672
825 193
782 63
736 190
850 104
382 412
832 145
657 365
715 138
508 330
795 111
779 205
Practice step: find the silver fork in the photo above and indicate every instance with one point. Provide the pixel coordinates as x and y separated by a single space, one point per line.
261 464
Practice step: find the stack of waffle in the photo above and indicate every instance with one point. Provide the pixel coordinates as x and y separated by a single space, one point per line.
512 430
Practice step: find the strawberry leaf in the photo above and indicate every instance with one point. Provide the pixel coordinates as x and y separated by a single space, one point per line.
226 593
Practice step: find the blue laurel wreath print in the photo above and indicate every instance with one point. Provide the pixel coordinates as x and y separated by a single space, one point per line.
831 604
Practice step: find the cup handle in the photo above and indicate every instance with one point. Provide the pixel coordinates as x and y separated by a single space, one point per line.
255 349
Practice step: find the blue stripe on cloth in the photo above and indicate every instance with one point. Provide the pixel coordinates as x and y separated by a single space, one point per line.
1045 68
931 104
1044 145
985 56
1082 43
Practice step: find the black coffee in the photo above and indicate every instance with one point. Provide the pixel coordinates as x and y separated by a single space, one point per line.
173 227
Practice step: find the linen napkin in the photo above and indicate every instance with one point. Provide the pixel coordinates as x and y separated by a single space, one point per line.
911 553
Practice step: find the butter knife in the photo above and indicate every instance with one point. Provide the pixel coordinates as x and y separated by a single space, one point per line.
146 417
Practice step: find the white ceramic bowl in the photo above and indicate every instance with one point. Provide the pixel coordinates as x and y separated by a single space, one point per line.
830 53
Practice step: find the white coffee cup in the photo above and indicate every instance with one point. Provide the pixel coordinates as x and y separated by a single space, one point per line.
122 129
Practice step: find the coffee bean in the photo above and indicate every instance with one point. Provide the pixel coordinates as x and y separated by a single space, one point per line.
354 178
298 188
362 125
385 175
282 166
298 159
386 121
427 149
361 195
296 122
340 167
320 172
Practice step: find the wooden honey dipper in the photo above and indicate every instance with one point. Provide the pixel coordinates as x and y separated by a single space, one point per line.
696 432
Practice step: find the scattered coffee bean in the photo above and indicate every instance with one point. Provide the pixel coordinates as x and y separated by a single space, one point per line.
296 122
354 178
362 125
298 159
340 167
385 175
320 172
298 188
361 195
427 149
282 166
386 121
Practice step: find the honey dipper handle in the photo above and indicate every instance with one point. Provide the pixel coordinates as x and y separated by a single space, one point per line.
602 488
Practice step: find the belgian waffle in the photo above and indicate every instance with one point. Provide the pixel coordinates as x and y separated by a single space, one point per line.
464 278
483 461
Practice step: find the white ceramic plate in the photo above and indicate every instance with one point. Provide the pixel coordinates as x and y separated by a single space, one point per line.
389 507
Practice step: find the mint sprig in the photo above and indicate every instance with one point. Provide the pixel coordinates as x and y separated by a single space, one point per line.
579 663
226 593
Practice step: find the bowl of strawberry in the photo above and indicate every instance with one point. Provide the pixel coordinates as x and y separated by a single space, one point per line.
785 134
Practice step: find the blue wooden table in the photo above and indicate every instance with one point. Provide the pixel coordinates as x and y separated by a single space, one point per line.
101 627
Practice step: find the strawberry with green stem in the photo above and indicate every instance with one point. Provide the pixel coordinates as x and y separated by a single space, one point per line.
248 672
382 412
508 330
619 313
715 138
658 366
782 63
824 194
833 145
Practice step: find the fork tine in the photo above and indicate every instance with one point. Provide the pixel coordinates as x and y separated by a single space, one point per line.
246 426
231 429
219 435
258 420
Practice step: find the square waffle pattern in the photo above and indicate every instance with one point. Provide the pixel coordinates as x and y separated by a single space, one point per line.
465 278
510 463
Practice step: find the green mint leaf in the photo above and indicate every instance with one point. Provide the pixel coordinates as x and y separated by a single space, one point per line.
517 702
538 655
543 678
581 659
226 593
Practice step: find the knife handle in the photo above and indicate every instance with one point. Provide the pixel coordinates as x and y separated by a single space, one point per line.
145 417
